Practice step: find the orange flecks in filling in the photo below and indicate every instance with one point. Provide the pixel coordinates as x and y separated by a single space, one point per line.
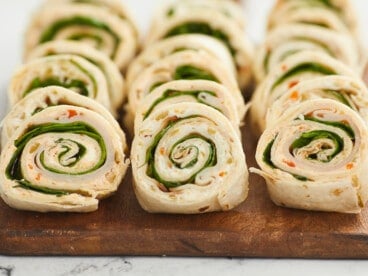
162 151
222 174
292 84
294 95
72 113
289 163
38 177
284 67
349 166
30 166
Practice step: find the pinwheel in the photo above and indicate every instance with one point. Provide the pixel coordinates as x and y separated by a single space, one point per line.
315 158
44 98
166 47
63 159
187 158
112 74
86 23
200 91
291 38
68 71
305 65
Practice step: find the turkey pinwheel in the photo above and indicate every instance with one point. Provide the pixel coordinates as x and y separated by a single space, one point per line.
43 98
350 91
112 74
315 158
200 91
222 28
168 46
62 159
291 38
187 158
183 65
86 23
305 65
68 71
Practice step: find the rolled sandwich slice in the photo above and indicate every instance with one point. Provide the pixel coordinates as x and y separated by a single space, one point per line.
343 9
204 92
43 98
62 159
349 91
223 28
183 65
114 6
68 71
315 158
166 47
305 65
289 39
187 158
230 9
112 74
86 23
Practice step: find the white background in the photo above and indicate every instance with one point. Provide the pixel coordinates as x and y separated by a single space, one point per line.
14 16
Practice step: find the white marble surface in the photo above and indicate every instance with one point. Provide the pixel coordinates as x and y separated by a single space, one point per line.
14 16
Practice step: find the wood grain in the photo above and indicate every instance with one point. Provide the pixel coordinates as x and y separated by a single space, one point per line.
257 228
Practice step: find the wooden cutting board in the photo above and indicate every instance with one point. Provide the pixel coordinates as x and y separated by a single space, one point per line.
257 228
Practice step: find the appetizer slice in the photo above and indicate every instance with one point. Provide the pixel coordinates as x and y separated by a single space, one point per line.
187 158
204 92
62 159
292 38
112 74
166 47
347 90
44 98
315 158
68 71
183 65
305 65
92 25
222 28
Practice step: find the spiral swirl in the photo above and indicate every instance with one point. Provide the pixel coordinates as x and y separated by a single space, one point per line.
63 158
187 158
315 156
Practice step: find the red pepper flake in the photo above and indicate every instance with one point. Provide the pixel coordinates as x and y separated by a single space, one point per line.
294 95
289 163
38 177
292 84
72 113
349 166
284 67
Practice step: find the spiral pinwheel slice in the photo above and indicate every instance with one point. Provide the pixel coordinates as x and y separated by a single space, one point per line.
62 159
187 158
289 39
305 65
166 47
230 9
315 158
112 74
68 71
183 65
114 6
223 28
44 98
286 9
347 90
200 91
89 24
